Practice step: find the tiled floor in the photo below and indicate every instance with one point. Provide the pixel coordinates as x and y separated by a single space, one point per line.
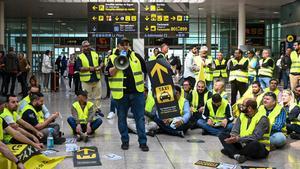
166 152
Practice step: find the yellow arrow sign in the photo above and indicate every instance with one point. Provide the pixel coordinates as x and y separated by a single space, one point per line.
158 68
94 18
147 18
147 8
94 7
173 18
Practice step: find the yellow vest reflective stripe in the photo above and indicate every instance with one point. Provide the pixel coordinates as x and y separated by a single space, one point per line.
220 114
86 76
152 58
116 82
272 116
208 73
181 104
246 130
295 59
222 72
266 71
39 115
276 92
1 129
239 75
7 137
82 114
149 102
195 98
252 71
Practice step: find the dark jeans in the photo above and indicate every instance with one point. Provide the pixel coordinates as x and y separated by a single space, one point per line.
22 78
253 149
286 79
2 76
94 125
191 80
213 130
136 102
70 80
169 130
236 87
77 83
113 105
10 77
107 86
293 128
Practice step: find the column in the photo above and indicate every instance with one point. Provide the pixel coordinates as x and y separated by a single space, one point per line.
29 40
208 33
242 23
2 25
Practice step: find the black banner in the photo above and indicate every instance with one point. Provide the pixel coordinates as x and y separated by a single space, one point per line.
86 156
163 90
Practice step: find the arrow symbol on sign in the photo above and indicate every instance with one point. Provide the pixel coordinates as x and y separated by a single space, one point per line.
94 18
94 7
158 68
173 18
147 18
94 28
147 8
146 28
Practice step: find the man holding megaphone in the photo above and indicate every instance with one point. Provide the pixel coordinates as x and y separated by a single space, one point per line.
89 66
126 81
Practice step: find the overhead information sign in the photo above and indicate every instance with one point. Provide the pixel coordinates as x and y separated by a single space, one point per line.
113 19
164 20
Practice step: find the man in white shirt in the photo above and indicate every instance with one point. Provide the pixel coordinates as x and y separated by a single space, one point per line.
189 67
46 69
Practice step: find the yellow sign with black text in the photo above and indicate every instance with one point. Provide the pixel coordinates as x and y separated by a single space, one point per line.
164 94
86 156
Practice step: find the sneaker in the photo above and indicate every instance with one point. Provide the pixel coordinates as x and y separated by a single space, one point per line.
59 140
240 158
144 147
295 136
125 146
111 115
181 134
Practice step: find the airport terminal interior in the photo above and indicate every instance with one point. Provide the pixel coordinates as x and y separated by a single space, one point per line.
73 49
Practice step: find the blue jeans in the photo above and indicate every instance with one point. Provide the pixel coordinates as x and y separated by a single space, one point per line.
113 105
278 139
169 130
136 102
264 82
94 125
285 77
251 79
213 130
209 85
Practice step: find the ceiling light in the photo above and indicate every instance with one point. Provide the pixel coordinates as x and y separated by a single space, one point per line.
275 12
200 9
63 23
50 14
261 21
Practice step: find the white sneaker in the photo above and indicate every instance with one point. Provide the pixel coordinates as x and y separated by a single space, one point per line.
110 115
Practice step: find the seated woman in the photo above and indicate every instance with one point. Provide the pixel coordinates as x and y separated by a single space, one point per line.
293 111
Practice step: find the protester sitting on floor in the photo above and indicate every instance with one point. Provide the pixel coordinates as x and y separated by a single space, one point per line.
254 91
4 150
187 88
199 99
150 110
293 111
249 137
32 114
26 100
277 118
176 126
217 116
273 87
83 120
219 87
12 118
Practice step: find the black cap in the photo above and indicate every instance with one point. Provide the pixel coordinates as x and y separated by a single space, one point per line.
82 93
124 40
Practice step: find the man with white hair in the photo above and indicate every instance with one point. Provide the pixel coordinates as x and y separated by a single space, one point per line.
89 66
266 67
207 60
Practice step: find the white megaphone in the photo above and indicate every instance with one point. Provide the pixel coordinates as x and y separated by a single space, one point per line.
121 62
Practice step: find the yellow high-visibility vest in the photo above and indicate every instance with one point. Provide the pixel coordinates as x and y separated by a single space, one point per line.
295 59
266 71
83 114
246 130
149 102
239 75
208 72
116 82
222 72
39 115
252 70
86 76
6 113
220 114
195 98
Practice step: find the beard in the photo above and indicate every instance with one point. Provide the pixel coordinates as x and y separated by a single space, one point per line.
38 107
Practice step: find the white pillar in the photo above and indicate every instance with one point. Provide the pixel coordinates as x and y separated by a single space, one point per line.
2 25
242 23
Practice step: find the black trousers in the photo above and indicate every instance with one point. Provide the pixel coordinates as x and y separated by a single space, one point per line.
252 150
70 80
77 83
191 80
293 128
107 86
22 78
236 87
10 77
2 76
